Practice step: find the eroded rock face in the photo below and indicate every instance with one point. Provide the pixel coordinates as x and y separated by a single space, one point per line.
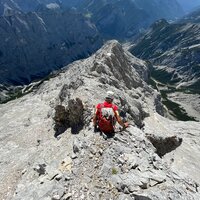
117 19
85 165
61 119
75 112
72 116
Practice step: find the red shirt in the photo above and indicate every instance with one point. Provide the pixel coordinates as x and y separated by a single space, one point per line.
107 105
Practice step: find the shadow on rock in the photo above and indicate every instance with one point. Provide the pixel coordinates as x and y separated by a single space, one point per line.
139 197
107 135
164 145
69 117
61 120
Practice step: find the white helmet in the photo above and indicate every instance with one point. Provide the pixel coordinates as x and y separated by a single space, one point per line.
109 95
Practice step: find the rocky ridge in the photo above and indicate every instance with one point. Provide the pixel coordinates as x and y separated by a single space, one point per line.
42 159
125 19
114 19
12 7
175 48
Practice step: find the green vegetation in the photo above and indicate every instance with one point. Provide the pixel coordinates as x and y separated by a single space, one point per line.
88 15
175 109
12 96
163 76
114 171
152 82
17 93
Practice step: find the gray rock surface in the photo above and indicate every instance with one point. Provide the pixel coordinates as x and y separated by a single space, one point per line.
190 102
176 48
36 165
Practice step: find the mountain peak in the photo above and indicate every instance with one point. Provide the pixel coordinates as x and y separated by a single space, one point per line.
159 24
110 68
113 61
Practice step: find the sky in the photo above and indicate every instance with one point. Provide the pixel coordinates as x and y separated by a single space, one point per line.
188 5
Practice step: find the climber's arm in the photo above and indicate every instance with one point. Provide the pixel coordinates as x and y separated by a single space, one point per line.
95 117
119 120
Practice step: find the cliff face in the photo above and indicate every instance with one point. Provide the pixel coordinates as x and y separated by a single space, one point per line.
10 7
38 37
150 160
115 19
123 19
176 47
34 44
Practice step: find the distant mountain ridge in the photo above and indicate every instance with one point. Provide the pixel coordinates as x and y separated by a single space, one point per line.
113 18
175 46
38 36
122 19
193 17
34 44
9 7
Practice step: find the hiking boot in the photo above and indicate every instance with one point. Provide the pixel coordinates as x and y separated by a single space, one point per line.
105 137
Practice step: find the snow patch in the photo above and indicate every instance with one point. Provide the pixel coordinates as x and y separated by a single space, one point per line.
109 54
52 6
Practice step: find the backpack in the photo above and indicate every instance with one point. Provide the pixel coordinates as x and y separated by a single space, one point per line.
106 119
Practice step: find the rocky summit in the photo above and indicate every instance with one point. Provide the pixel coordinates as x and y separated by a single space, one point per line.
49 150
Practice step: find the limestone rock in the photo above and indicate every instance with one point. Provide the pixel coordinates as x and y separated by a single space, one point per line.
154 162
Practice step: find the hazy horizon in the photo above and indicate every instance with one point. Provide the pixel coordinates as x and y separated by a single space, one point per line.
189 5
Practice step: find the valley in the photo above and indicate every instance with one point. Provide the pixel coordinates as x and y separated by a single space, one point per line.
173 49
180 104
31 47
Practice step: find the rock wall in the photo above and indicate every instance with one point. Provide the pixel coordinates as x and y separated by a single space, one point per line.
125 19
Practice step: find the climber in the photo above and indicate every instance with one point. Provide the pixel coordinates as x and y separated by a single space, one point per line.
106 115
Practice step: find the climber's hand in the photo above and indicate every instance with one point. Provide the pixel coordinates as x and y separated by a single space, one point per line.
125 125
